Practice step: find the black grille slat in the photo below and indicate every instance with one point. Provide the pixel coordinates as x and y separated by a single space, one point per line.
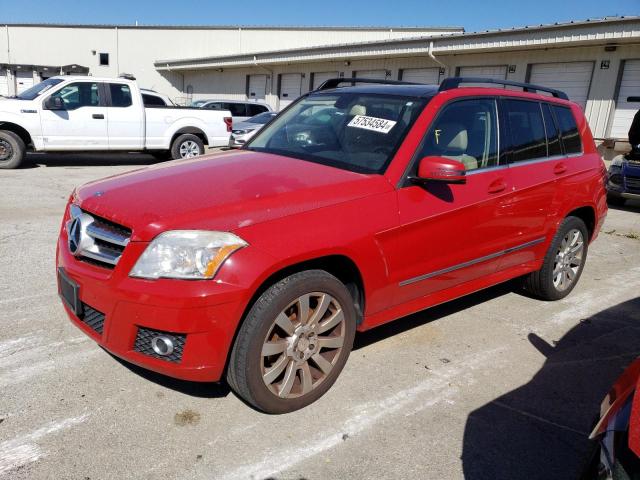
143 344
633 183
93 318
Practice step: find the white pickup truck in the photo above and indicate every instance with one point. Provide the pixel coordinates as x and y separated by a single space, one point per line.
74 113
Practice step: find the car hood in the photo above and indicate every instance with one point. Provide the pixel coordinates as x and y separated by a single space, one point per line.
247 126
13 105
221 192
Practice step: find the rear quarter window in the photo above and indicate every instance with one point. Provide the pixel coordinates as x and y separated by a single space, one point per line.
568 129
255 109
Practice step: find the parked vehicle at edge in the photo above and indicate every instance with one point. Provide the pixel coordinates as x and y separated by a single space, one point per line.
624 171
244 131
79 113
617 432
240 110
354 207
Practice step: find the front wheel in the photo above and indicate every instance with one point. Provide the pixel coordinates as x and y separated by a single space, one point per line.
563 262
187 146
293 343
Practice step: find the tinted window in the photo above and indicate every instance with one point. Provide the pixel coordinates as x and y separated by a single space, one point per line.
568 130
81 94
553 135
120 95
354 131
528 139
236 109
214 106
254 109
465 131
104 59
152 100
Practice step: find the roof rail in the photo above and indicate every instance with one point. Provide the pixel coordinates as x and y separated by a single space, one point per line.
334 82
454 82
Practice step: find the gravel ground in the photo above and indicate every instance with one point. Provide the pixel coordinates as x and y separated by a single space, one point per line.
496 385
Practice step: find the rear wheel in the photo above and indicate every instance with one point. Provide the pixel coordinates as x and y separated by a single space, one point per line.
12 150
187 146
293 343
563 263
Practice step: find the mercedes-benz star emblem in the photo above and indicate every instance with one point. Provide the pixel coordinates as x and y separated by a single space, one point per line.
74 233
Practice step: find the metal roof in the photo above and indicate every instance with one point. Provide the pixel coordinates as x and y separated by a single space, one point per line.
556 34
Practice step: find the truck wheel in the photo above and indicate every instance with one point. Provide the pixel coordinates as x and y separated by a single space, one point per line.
187 146
293 343
12 150
615 201
563 262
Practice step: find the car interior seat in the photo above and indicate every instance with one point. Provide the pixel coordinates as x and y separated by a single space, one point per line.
453 140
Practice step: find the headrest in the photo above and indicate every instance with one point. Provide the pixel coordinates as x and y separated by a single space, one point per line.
453 136
358 110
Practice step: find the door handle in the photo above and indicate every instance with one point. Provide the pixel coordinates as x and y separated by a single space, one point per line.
560 168
497 186
98 116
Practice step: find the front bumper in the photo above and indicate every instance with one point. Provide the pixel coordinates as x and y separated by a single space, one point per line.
206 313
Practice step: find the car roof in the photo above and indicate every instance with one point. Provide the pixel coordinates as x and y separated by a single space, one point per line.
405 90
229 101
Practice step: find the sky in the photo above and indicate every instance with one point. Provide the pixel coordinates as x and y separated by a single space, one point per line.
475 15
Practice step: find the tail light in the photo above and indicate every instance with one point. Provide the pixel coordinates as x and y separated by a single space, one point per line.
229 122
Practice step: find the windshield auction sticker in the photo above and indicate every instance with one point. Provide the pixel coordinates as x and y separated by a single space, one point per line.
372 123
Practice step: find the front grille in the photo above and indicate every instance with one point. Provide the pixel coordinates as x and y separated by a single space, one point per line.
101 242
93 318
633 183
143 344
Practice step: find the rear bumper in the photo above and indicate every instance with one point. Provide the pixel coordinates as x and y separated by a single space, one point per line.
206 313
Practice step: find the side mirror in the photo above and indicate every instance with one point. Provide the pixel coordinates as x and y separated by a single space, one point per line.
54 103
440 169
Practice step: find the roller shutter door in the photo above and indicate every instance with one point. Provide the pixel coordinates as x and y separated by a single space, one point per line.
257 87
290 88
4 83
24 81
372 74
321 77
625 111
429 76
573 78
496 71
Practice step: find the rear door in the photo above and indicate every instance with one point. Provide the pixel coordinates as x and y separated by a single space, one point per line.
238 110
82 125
126 117
453 233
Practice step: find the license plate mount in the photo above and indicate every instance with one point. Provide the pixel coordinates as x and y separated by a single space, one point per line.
69 291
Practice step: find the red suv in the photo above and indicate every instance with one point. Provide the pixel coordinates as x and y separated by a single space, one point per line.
356 206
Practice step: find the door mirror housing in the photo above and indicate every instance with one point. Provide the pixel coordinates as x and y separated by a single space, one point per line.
441 169
54 103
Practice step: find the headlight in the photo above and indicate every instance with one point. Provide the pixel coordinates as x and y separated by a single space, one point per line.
241 132
617 162
187 254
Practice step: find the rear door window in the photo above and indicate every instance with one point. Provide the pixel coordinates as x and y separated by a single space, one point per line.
568 130
120 95
255 109
553 134
236 109
526 130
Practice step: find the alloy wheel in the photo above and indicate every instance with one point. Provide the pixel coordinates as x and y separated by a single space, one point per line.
6 151
568 260
189 149
303 345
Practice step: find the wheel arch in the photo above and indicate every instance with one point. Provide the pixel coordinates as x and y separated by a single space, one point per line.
18 130
192 130
588 215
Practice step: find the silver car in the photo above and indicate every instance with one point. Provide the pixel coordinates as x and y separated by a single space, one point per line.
240 110
243 131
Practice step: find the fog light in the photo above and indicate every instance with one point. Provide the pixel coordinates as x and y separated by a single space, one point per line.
163 345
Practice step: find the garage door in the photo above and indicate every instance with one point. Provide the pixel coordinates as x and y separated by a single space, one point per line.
430 76
372 74
629 87
24 81
290 88
4 83
573 78
257 87
495 71
321 77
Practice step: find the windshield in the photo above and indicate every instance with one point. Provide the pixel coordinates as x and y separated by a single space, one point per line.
39 89
199 103
261 118
355 131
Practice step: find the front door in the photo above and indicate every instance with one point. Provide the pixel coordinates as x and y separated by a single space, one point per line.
82 125
453 233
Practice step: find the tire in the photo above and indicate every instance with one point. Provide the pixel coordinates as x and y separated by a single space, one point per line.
276 383
615 201
187 146
542 283
12 150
